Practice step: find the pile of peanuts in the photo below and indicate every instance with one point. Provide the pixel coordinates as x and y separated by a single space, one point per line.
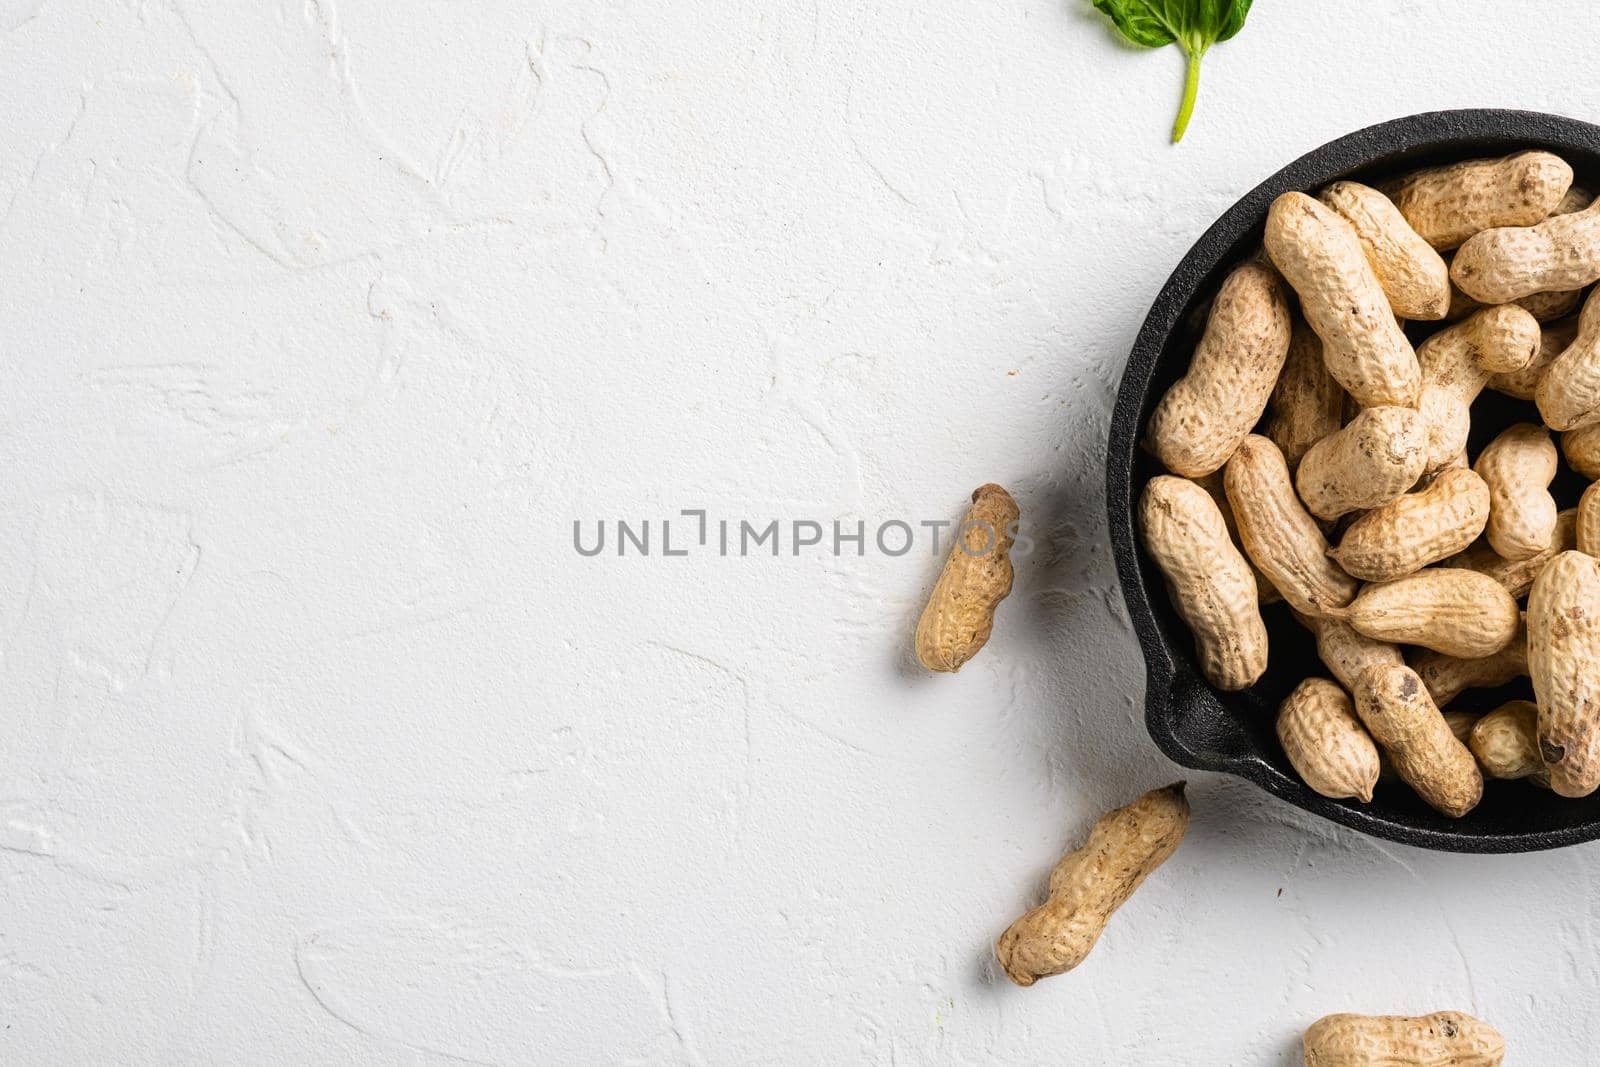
1320 460
1316 457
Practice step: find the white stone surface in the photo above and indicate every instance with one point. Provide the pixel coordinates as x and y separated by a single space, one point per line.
322 322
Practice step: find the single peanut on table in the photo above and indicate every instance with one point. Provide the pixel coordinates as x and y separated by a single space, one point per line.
1443 1039
1089 884
1202 418
977 575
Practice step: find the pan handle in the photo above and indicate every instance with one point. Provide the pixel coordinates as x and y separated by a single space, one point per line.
1191 726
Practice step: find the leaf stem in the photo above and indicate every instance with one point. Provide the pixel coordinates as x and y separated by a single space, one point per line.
1191 87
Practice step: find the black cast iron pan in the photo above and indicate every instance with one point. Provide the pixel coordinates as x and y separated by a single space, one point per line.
1233 732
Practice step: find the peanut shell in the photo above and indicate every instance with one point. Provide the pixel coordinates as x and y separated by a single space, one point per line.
1510 262
1443 1039
1447 677
1347 653
1403 719
1307 403
1326 743
1588 525
1212 587
1371 461
1413 276
1553 340
1517 575
1201 419
1089 884
1457 612
1564 662
1581 447
1518 467
1506 742
977 575
1417 529
1446 205
1568 393
1321 258
1277 532
1458 361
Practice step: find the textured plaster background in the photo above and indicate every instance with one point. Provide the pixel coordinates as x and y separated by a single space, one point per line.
321 323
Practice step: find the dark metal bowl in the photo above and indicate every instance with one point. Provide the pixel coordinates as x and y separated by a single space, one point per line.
1201 727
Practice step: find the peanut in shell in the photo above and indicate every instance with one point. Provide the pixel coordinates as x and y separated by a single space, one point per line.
1447 677
1518 466
1320 256
1413 733
1505 742
977 575
1278 534
1448 204
1326 743
1581 447
1413 275
1376 457
1307 403
1211 585
1416 529
1347 653
1554 338
1517 575
1442 1039
1568 393
1199 422
1564 663
1090 883
1457 612
1507 263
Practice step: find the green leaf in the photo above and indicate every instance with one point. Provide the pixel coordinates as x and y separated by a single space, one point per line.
1194 25
1232 20
1137 22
